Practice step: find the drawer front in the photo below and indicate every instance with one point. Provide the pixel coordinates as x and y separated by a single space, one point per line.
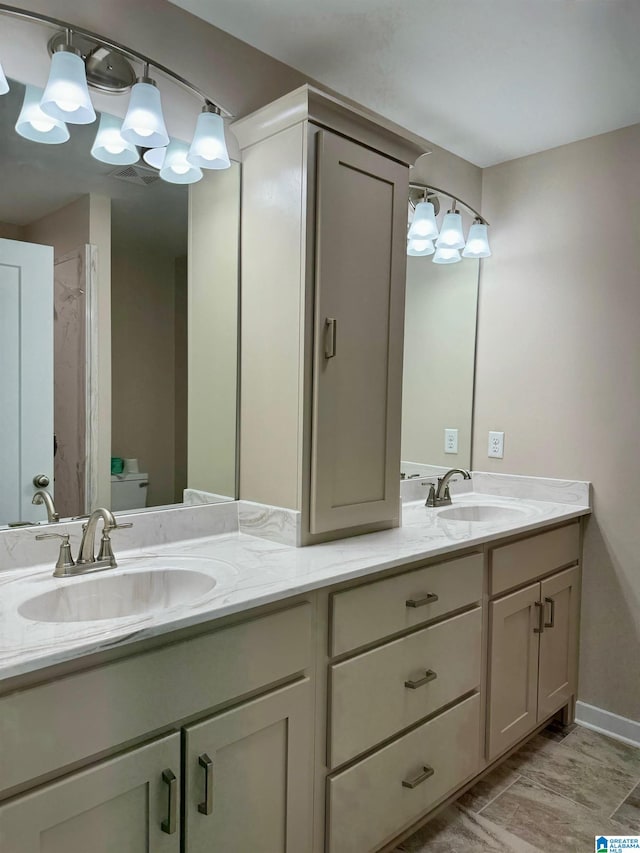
377 610
521 562
411 677
369 804
121 701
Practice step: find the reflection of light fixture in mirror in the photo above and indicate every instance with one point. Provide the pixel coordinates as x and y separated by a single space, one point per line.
477 241
66 95
110 147
4 86
154 157
176 168
144 123
33 124
451 234
424 225
419 248
209 149
446 256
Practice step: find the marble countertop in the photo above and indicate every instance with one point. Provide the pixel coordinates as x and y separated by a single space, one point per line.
249 571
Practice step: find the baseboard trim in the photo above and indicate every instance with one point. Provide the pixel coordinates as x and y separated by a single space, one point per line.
607 723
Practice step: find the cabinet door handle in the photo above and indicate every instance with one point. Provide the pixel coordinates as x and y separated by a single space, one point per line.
330 337
169 825
552 616
204 761
429 675
427 772
541 623
430 598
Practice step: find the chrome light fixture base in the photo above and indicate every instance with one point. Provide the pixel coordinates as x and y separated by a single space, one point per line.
107 70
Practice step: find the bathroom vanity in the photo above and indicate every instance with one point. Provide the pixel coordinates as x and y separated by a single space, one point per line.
328 698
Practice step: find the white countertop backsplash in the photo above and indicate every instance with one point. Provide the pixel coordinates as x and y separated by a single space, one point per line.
251 568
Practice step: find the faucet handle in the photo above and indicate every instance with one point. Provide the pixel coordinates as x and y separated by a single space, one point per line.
106 551
118 526
65 559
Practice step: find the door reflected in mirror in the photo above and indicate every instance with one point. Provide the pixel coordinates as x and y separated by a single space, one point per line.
118 329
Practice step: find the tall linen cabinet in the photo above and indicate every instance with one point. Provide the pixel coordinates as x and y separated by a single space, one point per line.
323 263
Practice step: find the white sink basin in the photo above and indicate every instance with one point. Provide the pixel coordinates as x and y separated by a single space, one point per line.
481 512
115 596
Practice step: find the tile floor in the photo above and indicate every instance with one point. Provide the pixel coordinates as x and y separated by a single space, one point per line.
556 793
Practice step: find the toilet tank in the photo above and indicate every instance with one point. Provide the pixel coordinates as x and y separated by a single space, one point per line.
128 491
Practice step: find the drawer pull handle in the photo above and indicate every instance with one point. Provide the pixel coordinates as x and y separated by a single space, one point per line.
427 772
169 825
206 807
541 623
429 675
552 616
431 598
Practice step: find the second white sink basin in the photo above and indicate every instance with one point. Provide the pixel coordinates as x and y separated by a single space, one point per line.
481 512
115 596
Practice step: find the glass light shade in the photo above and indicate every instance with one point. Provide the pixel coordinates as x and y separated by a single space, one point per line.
155 157
477 242
451 235
424 226
4 86
420 248
144 123
446 256
109 146
176 168
33 124
209 149
66 95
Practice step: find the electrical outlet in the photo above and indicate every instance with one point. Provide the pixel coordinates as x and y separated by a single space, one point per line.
451 441
496 444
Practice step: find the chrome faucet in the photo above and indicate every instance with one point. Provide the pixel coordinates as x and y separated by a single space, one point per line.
87 562
42 496
440 495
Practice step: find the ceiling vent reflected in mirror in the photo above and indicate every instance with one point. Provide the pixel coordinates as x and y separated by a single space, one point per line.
138 175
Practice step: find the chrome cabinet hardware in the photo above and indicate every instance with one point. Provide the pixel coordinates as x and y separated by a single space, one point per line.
65 561
169 825
541 623
429 675
430 598
427 772
206 807
330 339
552 614
41 481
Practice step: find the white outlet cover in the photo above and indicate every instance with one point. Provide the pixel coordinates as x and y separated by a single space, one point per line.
450 440
496 445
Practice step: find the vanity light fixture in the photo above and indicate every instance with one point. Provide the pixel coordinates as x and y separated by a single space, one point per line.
451 234
420 248
110 147
446 256
37 126
176 167
144 123
477 241
66 95
424 226
209 149
155 157
4 86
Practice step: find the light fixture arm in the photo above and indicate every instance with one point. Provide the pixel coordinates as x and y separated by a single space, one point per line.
110 45
427 188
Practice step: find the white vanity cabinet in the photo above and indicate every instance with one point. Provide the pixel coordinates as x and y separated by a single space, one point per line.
324 199
245 769
533 634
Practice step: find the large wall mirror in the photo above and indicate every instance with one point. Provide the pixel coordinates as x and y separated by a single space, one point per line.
439 358
118 328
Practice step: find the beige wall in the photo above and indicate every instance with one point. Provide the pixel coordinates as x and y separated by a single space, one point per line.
11 232
558 369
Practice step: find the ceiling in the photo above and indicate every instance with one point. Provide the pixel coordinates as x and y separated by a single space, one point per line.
489 81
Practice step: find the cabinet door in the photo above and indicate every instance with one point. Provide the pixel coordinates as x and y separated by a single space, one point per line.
359 315
248 777
118 806
513 674
559 641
